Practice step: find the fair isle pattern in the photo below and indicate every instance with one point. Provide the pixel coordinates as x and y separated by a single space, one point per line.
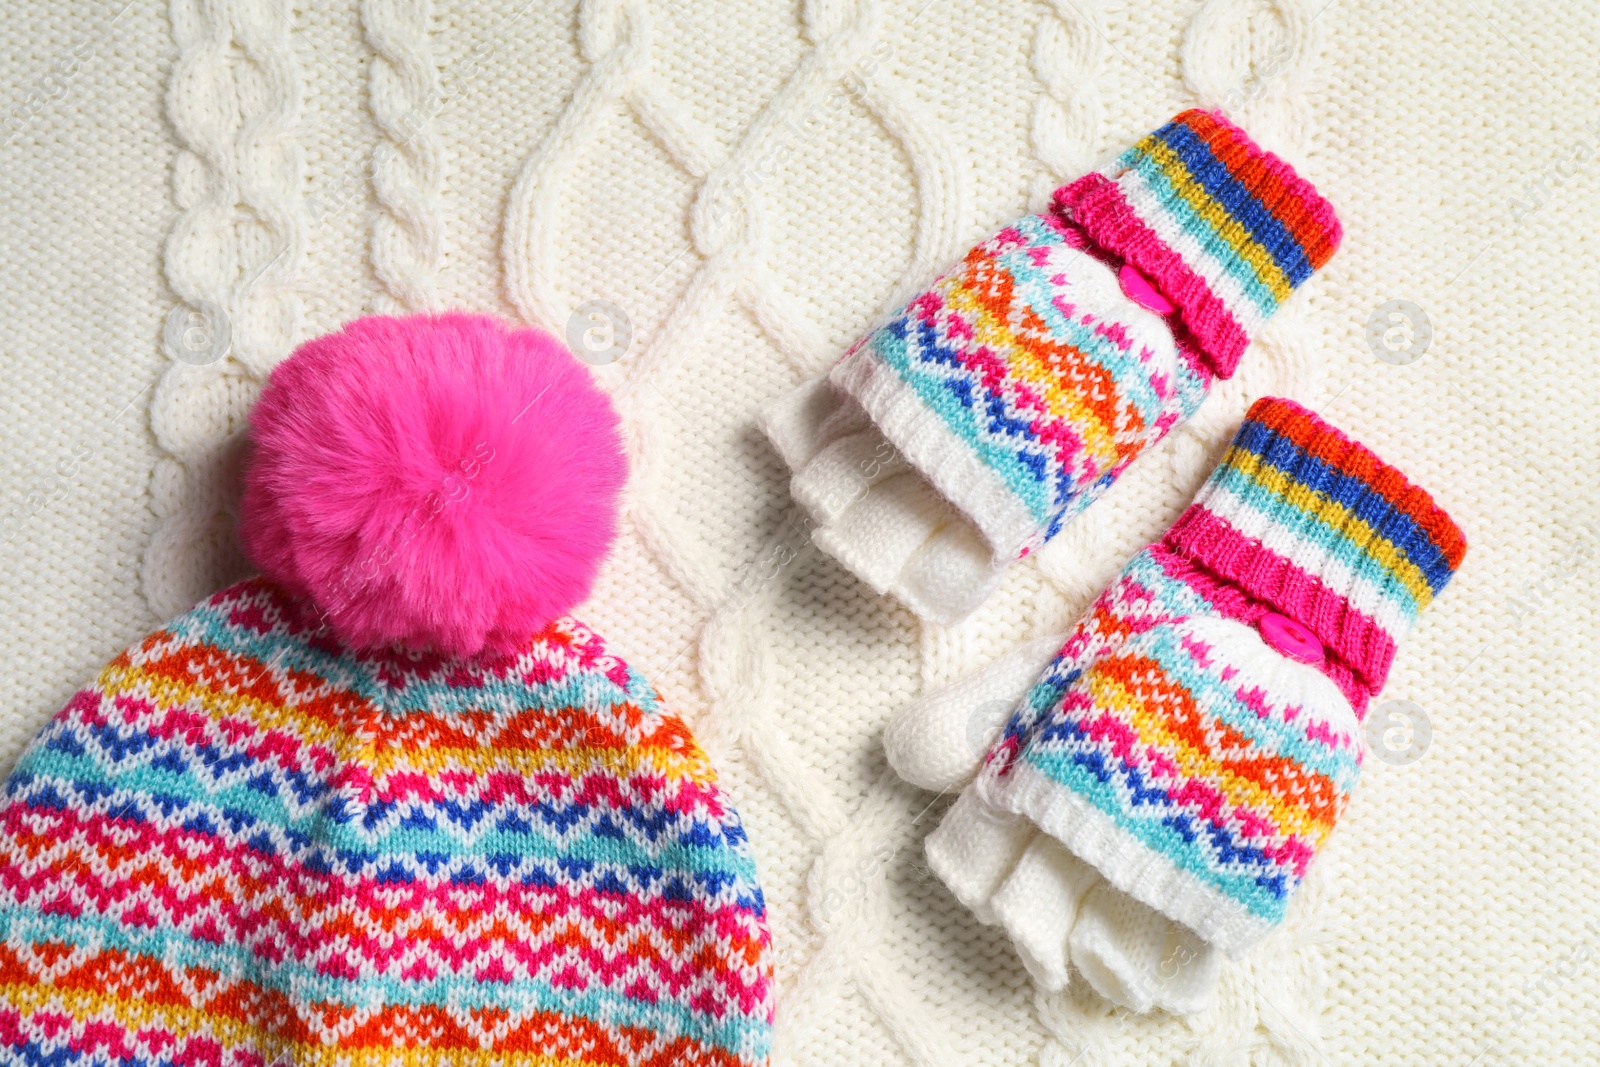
244 846
1167 743
1166 731
1223 229
1054 94
1032 360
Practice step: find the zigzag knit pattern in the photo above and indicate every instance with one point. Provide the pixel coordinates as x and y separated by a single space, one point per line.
1023 382
1179 761
243 846
1168 744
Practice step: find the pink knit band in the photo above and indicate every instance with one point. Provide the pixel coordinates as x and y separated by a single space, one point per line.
1222 229
1233 602
1202 321
1359 652
1303 521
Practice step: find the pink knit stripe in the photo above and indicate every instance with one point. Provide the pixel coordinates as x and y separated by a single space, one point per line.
1266 576
1096 204
233 894
1195 797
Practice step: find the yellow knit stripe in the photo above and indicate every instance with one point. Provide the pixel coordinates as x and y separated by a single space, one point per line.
1339 520
184 1022
219 705
1230 229
1065 404
1152 723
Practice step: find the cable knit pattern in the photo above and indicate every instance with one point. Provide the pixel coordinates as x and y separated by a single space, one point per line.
1064 131
408 168
756 186
232 256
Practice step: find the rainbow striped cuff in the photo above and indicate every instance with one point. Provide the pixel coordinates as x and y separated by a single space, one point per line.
1221 228
1314 526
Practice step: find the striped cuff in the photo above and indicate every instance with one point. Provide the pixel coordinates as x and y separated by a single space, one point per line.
1315 526
1221 228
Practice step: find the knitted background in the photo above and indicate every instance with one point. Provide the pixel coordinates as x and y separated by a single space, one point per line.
191 187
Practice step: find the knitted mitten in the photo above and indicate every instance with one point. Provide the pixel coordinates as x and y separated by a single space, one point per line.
388 804
991 409
1049 899
1197 735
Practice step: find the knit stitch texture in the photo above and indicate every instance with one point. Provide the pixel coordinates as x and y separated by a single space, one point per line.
754 185
1167 744
1223 229
1024 382
244 845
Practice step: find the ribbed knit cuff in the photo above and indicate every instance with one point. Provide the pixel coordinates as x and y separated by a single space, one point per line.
1222 228
1316 527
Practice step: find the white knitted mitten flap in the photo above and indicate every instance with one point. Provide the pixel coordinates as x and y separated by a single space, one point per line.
937 741
875 513
974 853
1055 907
1038 905
1058 910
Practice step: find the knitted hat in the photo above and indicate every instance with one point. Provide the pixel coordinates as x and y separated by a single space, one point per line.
258 838
1222 229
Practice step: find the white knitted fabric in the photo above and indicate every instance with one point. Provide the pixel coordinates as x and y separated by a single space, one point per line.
869 508
1241 656
749 184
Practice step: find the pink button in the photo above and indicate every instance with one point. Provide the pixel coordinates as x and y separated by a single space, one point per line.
1291 638
1141 292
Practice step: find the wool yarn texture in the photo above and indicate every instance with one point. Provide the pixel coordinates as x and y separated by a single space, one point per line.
1019 386
1199 733
244 844
755 208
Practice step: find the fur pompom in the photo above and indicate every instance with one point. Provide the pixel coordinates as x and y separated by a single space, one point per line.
445 482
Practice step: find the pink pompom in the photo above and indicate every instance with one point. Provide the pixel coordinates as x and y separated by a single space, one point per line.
439 481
